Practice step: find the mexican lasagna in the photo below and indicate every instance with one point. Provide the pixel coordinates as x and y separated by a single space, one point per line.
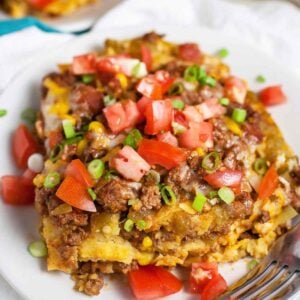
155 154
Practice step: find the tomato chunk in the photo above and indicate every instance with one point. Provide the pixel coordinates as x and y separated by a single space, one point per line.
168 137
158 116
142 106
39 4
55 137
116 117
190 52
235 89
231 178
165 80
17 190
214 288
130 164
132 112
192 114
75 194
150 87
272 95
151 282
201 274
84 64
211 108
161 153
269 183
23 145
78 170
146 56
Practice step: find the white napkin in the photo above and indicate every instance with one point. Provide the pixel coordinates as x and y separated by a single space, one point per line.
274 26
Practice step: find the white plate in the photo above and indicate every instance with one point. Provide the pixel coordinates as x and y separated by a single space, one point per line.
19 225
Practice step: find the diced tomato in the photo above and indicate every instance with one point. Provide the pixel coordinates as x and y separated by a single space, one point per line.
17 190
201 274
78 170
116 117
150 87
55 137
107 65
190 52
84 64
165 80
142 106
161 153
235 89
269 183
130 164
168 137
211 108
39 4
158 116
192 114
146 57
23 145
29 175
214 288
151 282
231 178
198 134
272 95
180 118
75 194
132 112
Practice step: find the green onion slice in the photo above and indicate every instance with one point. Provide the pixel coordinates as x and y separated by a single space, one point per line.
194 73
226 194
52 180
3 112
92 194
252 264
55 152
260 79
211 161
136 70
133 138
199 202
178 104
96 168
239 115
128 225
109 100
38 249
208 80
68 129
212 194
73 140
87 78
176 88
224 101
141 224
29 115
223 52
168 195
260 166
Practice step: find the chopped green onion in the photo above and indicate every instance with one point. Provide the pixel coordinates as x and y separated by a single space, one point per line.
260 166
136 70
3 112
87 78
226 194
29 115
194 73
92 194
208 80
68 129
133 138
55 152
212 194
223 52
260 79
168 195
52 180
199 202
73 140
109 174
176 89
128 225
239 115
224 101
109 100
178 104
211 161
141 224
38 249
96 168
178 128
252 264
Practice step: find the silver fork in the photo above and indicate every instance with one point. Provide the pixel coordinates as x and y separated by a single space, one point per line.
277 276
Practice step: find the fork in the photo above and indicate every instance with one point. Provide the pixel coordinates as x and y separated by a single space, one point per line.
277 276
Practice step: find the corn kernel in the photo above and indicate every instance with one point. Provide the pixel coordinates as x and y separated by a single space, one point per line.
38 180
59 108
81 146
68 117
54 88
145 258
200 151
123 80
233 126
147 242
96 127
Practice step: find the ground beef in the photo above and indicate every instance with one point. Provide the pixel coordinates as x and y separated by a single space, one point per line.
208 92
90 284
150 196
152 37
114 195
41 195
191 97
69 152
241 207
73 236
295 200
175 68
234 156
295 175
66 251
265 217
76 218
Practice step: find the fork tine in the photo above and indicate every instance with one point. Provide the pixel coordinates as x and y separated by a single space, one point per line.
265 285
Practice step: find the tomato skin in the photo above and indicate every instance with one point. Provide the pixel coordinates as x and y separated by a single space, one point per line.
235 89
161 153
190 52
17 190
165 80
214 288
218 179
29 175
168 137
78 170
130 164
192 114
116 117
159 115
39 4
272 95
84 64
132 112
269 183
75 194
55 137
201 274
142 106
146 57
150 87
23 145
180 118
151 282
